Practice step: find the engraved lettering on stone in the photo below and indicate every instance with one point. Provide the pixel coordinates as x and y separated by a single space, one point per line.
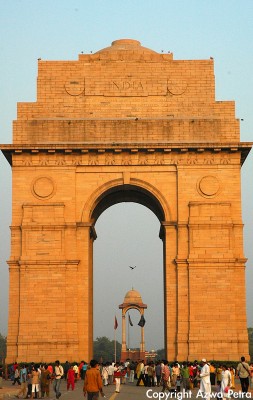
126 85
46 240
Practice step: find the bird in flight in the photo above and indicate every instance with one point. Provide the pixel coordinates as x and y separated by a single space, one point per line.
132 267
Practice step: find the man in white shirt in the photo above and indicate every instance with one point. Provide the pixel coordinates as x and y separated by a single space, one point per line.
111 373
205 383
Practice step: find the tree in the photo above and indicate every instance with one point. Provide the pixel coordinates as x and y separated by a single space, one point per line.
103 349
2 348
160 354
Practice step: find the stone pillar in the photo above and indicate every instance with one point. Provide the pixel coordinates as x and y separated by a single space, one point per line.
142 344
123 331
14 305
170 290
85 239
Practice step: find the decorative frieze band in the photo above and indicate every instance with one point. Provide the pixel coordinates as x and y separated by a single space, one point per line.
119 157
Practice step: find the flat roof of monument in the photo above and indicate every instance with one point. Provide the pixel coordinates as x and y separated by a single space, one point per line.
127 45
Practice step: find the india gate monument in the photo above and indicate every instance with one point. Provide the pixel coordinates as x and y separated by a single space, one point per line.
126 124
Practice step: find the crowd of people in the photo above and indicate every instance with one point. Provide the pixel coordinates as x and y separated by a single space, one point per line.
175 377
35 380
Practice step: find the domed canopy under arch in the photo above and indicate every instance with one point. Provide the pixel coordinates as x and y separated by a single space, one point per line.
132 298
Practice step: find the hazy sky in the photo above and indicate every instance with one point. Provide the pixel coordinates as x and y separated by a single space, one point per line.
60 30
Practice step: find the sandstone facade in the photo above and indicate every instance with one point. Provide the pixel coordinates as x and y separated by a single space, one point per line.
126 124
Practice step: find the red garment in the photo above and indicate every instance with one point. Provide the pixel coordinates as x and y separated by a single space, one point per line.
50 368
117 373
71 379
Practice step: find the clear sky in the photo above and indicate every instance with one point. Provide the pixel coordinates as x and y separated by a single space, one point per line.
60 30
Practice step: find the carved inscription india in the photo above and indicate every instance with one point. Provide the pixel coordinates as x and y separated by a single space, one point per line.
125 86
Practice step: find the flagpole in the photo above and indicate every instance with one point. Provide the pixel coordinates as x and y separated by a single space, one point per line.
115 347
128 333
115 354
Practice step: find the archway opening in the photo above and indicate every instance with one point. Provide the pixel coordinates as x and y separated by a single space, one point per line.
128 236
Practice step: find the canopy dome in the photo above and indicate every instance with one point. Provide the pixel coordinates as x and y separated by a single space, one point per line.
132 300
133 296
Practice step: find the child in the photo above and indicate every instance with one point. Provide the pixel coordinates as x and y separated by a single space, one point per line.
178 384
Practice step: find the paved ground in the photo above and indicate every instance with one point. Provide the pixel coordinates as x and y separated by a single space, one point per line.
127 392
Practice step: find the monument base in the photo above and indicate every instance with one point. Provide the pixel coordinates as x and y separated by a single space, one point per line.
132 355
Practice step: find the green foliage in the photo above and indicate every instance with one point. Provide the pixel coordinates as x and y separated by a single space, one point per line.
160 354
2 348
103 349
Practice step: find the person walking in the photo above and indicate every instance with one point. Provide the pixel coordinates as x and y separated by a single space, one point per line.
165 376
225 382
117 377
45 380
205 383
93 382
16 376
185 376
111 373
71 378
243 373
35 382
23 381
84 369
59 372
158 373
141 374
212 374
131 372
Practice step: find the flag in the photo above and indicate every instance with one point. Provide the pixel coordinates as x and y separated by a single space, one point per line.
142 321
115 323
129 320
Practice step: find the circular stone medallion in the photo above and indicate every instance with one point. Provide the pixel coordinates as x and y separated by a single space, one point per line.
43 187
75 87
209 186
177 87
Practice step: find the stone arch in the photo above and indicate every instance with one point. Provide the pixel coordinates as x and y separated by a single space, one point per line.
131 147
115 191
